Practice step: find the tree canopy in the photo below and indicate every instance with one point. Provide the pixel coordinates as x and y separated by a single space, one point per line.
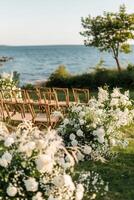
110 32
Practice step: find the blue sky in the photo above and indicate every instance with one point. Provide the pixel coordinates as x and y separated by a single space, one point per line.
43 22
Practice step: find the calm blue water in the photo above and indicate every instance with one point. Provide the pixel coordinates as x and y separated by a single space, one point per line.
38 62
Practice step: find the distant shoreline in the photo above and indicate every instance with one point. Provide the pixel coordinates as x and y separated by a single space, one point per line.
43 45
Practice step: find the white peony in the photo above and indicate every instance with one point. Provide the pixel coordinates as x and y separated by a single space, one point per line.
31 184
11 191
44 163
9 141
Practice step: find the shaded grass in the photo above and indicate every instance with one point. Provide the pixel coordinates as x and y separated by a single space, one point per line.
119 172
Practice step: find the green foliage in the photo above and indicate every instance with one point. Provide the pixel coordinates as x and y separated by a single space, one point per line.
118 172
60 72
101 77
130 67
109 32
16 77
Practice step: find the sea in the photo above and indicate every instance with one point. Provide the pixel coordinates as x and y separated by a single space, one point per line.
36 63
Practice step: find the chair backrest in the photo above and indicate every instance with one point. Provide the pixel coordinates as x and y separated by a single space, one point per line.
62 95
81 95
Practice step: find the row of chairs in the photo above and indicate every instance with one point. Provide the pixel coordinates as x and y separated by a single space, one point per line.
38 105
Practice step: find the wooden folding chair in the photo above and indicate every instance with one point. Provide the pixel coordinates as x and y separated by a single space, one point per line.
41 109
81 95
13 109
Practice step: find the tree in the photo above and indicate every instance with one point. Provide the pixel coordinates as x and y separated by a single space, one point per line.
110 32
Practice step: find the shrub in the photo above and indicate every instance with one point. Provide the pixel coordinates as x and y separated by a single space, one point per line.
95 128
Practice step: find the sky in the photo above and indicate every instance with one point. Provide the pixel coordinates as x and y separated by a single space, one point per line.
48 22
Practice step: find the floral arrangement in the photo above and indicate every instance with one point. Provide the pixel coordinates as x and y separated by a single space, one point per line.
94 128
34 165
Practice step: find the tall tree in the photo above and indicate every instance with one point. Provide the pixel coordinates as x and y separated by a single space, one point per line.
110 32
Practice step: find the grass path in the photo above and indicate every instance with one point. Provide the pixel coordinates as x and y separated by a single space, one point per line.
119 172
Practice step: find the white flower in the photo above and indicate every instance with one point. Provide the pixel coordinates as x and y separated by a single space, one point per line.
116 93
28 148
72 136
79 192
81 114
5 160
87 150
66 121
9 141
58 181
102 95
74 142
40 144
93 196
31 184
68 182
112 142
81 121
38 196
44 163
11 191
79 133
100 139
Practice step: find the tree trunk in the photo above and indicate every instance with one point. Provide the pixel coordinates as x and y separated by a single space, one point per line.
118 64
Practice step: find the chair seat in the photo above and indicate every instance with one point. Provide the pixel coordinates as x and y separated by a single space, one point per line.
41 117
18 117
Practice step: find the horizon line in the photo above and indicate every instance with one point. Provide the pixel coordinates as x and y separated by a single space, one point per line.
15 45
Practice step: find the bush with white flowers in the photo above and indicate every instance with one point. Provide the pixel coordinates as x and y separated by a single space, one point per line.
7 84
35 165
94 128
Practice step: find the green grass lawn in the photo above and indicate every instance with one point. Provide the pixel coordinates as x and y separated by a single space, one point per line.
119 172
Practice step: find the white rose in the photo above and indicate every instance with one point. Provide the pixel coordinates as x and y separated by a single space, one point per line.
79 133
72 136
58 181
31 185
9 141
74 142
44 163
87 150
11 191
